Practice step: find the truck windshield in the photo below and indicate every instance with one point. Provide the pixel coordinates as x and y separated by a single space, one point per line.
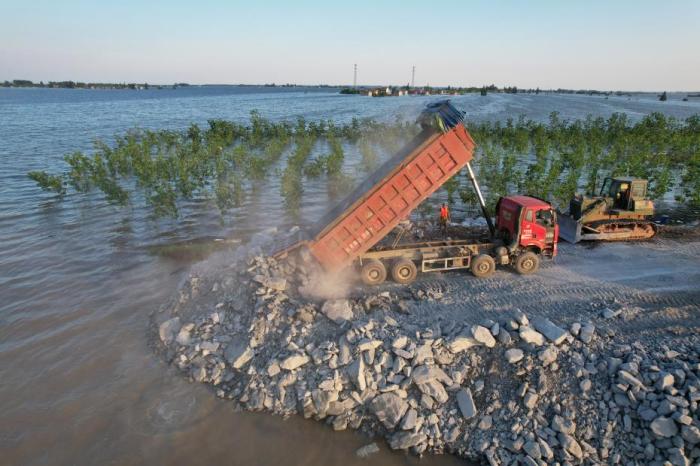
544 217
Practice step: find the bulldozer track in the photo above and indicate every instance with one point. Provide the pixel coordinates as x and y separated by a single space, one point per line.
641 227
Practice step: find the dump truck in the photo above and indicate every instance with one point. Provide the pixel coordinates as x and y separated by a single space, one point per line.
348 235
621 212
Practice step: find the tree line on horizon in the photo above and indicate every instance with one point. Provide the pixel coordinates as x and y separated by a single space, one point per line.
83 85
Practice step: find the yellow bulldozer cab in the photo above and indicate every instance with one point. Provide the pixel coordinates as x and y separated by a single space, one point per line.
624 191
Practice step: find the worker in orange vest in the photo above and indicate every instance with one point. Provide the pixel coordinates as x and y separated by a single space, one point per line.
444 218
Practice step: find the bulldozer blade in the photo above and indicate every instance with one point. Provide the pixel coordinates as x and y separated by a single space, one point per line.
569 229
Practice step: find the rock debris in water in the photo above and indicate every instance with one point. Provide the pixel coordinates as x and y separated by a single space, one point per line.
521 390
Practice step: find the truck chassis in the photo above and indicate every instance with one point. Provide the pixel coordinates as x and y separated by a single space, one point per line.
433 256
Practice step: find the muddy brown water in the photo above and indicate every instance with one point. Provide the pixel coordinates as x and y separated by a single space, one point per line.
83 387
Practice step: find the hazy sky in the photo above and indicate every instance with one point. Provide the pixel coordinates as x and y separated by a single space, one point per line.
614 44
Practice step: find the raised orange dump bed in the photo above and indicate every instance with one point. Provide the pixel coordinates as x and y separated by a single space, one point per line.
377 205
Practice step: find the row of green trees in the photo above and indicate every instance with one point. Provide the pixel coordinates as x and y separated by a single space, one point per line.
221 162
224 161
554 160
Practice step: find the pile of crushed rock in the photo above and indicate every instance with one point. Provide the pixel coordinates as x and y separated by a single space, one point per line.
523 389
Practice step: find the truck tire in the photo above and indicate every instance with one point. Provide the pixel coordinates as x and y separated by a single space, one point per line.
483 266
527 263
373 272
404 271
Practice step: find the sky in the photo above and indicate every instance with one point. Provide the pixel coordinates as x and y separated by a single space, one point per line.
607 45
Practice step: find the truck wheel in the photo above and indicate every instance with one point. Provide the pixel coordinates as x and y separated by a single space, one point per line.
483 266
373 272
527 263
404 271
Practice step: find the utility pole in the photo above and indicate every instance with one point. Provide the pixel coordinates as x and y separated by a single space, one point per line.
354 78
413 77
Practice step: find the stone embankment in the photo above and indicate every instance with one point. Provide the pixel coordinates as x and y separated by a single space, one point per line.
521 389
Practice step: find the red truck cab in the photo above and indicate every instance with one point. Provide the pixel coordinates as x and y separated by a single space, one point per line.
527 224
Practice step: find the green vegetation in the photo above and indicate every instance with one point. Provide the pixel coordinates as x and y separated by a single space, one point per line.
226 161
554 160
222 163
292 186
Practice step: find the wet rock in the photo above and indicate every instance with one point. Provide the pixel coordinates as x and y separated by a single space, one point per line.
529 335
169 329
367 450
555 334
199 373
663 427
238 353
514 355
405 440
483 336
294 361
466 403
184 336
338 310
389 409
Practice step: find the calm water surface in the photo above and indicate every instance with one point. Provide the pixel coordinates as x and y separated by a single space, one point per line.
78 279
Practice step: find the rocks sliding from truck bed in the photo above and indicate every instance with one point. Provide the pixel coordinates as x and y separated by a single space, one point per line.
519 389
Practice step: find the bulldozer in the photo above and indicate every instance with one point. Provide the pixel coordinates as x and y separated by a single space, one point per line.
622 212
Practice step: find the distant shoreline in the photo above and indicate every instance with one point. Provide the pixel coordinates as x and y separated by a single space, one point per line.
25 83
375 90
81 85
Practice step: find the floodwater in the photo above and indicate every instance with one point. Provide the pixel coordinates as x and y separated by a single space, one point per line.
79 278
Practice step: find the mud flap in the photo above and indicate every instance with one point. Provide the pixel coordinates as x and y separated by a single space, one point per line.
569 229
